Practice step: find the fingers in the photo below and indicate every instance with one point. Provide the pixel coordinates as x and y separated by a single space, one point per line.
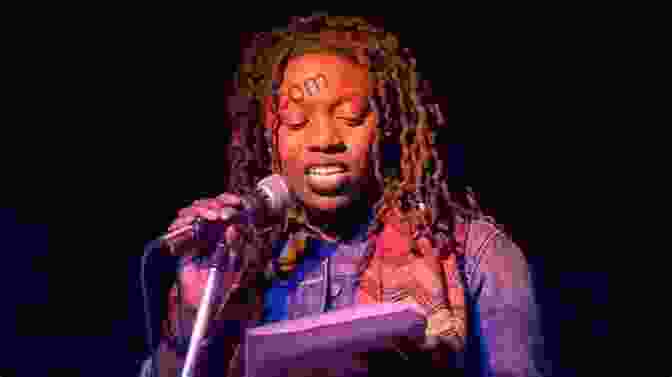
230 199
194 280
180 222
231 234
209 209
198 211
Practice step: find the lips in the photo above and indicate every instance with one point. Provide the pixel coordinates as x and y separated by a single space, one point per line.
327 179
326 167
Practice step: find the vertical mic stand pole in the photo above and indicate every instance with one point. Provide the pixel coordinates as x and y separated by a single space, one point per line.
223 253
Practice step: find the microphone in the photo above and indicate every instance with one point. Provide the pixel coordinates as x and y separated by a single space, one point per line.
266 205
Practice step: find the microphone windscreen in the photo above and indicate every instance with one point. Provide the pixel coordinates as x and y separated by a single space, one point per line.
276 192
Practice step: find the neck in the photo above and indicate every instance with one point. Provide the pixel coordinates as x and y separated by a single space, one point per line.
342 224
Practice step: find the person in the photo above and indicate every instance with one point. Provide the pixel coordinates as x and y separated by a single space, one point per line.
337 107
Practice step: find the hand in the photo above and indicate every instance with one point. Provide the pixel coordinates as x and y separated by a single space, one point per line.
193 276
209 209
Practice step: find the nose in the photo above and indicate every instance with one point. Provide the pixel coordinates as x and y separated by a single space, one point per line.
325 137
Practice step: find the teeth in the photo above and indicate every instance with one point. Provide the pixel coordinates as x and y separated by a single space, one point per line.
325 170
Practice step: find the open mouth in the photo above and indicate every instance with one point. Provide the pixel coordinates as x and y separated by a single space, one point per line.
326 169
327 179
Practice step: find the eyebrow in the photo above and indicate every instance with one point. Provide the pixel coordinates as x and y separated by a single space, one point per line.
351 98
339 102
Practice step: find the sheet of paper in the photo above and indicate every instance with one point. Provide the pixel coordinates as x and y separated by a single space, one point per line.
329 344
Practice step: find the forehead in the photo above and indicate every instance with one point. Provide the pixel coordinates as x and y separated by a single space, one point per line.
343 76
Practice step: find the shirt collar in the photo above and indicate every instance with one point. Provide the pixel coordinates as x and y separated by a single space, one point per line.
295 222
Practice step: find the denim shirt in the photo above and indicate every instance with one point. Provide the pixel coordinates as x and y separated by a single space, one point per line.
325 279
504 336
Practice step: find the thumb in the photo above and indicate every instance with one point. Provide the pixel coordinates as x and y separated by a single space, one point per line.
232 234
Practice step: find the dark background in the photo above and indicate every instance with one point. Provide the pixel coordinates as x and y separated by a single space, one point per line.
122 123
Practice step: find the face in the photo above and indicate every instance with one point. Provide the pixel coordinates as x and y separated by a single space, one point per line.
327 128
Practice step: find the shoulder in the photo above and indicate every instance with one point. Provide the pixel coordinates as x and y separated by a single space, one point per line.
490 253
475 236
479 238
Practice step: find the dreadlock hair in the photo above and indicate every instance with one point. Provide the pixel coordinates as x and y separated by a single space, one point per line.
409 121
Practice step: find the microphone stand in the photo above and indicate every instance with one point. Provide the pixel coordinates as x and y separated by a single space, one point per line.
225 259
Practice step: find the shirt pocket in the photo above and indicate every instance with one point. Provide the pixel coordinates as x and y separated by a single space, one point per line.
342 291
309 295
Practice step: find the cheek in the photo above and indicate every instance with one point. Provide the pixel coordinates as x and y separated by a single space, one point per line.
362 144
361 156
289 151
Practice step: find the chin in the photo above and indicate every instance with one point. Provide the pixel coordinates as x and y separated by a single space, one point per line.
327 203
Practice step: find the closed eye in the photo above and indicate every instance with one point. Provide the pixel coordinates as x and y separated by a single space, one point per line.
353 122
296 126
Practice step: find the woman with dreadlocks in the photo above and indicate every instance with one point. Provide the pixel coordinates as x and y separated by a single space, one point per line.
324 103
